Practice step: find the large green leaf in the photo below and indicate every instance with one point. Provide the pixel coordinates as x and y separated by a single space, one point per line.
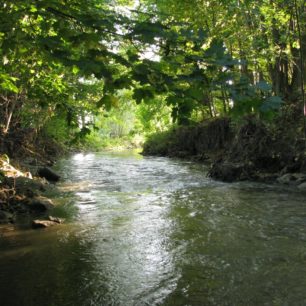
8 83
273 103
143 93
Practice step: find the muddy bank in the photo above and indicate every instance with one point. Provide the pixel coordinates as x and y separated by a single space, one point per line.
250 150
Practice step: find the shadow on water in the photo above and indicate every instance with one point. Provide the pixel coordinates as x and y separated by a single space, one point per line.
245 248
154 231
45 268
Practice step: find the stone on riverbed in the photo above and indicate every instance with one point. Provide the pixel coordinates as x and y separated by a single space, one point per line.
56 219
43 223
48 174
47 223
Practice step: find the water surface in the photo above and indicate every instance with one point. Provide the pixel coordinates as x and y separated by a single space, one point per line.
155 231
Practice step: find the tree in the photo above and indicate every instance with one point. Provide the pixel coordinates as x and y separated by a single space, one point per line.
261 36
210 57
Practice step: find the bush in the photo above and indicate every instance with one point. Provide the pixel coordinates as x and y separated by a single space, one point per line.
159 143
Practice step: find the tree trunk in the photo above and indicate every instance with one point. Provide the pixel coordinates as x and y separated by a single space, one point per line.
9 113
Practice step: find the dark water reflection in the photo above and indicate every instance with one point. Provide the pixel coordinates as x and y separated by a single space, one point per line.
153 231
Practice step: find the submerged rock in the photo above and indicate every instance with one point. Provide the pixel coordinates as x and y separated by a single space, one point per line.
47 223
48 174
56 219
43 223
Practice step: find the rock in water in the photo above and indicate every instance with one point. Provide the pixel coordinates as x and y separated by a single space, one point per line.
43 223
48 174
56 219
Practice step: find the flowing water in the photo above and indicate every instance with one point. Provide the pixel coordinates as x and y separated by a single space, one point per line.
155 231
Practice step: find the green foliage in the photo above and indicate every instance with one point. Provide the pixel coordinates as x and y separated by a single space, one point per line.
250 99
271 104
126 124
154 116
57 129
7 83
108 101
159 143
66 65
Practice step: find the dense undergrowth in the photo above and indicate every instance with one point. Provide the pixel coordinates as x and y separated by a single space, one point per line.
195 140
247 149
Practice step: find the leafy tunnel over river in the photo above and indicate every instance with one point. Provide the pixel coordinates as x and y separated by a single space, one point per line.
155 231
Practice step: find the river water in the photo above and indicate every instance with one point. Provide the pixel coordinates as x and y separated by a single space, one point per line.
155 231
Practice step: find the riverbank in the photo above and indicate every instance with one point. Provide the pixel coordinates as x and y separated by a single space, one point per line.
249 150
26 181
26 197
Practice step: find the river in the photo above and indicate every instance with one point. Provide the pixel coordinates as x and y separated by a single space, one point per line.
155 231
